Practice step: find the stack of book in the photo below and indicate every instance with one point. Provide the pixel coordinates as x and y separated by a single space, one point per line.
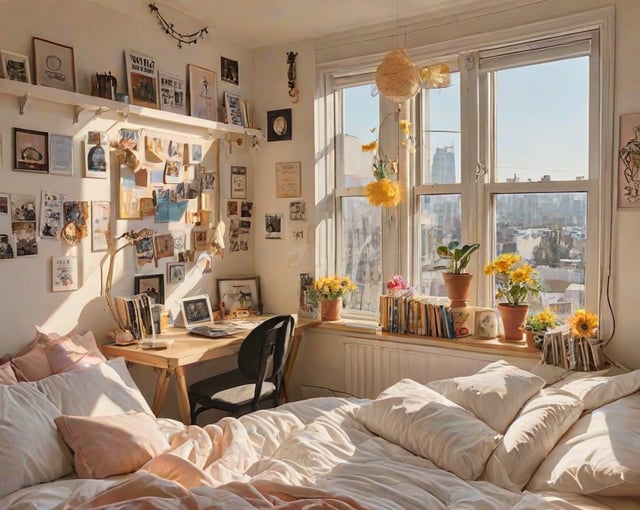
426 316
135 314
561 349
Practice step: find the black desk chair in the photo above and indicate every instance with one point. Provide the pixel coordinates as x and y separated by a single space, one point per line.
258 377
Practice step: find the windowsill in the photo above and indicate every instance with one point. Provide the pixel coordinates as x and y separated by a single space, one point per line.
368 330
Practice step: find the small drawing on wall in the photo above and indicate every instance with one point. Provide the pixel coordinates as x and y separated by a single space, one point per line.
629 162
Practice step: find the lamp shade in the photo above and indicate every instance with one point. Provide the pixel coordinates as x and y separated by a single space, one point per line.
397 78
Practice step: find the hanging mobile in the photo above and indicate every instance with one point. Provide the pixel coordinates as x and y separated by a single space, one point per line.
291 76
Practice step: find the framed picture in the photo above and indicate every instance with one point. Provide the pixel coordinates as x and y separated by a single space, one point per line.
54 65
61 155
196 310
203 93
229 71
200 240
288 180
100 224
233 105
64 273
141 79
236 293
15 66
279 125
163 245
175 272
195 153
96 155
30 150
238 182
172 93
150 284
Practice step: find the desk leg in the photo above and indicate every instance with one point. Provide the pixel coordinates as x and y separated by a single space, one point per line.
293 352
161 391
183 396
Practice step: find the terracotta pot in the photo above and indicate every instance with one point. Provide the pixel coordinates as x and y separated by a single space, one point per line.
530 338
330 309
457 287
513 317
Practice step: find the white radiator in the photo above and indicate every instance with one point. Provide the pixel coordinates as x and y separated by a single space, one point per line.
371 366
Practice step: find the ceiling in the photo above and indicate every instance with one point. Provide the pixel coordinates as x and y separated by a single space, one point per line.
258 23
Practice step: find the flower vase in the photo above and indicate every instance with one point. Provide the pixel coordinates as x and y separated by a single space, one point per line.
330 309
457 287
513 317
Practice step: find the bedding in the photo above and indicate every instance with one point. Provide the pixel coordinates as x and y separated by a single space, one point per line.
395 452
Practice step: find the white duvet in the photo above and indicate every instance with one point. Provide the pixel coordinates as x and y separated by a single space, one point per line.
318 454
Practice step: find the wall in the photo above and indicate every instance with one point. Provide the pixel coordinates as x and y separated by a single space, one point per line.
624 347
98 35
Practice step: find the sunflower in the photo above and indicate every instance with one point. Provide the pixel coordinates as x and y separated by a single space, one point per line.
583 324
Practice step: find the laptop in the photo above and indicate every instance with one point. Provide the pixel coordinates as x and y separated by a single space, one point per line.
197 318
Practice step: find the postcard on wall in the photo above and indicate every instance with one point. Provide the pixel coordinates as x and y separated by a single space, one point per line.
26 238
51 215
288 180
297 210
7 248
96 155
100 224
141 79
60 155
172 93
238 182
273 225
64 273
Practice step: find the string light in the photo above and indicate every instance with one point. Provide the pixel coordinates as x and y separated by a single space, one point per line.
181 38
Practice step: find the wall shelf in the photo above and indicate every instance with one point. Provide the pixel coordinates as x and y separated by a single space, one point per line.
25 92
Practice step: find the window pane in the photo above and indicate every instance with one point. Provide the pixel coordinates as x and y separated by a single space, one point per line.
361 114
442 133
361 254
542 122
440 223
549 231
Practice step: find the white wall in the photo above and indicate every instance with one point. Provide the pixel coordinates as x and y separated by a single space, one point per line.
98 35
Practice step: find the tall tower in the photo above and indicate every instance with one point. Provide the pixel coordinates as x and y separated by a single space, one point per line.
443 167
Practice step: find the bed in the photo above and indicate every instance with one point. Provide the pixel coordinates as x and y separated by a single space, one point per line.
503 438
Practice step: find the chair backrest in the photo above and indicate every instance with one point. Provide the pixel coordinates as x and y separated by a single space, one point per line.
265 345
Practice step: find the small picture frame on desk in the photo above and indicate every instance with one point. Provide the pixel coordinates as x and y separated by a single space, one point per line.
152 285
15 66
239 293
54 65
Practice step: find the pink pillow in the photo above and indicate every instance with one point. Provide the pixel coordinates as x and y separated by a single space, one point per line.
65 355
111 445
7 375
33 365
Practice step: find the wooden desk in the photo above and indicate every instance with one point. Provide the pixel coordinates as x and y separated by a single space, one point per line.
187 350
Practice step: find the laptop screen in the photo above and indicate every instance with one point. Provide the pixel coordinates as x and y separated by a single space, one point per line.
196 310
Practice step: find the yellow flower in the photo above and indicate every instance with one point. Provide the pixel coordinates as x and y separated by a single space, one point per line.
515 282
405 126
370 147
583 324
332 287
383 192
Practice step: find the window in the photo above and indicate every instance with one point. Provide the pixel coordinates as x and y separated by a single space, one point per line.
510 156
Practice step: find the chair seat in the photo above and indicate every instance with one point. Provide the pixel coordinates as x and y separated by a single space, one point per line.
229 391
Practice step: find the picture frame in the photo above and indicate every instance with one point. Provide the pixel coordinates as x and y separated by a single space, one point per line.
54 65
239 293
141 79
150 284
238 182
176 272
195 310
288 180
15 66
200 239
172 93
100 225
64 273
96 155
30 150
233 106
195 153
229 71
163 245
61 155
203 92
279 125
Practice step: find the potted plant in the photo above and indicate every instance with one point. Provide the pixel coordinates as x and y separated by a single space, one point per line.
537 324
516 281
456 279
329 291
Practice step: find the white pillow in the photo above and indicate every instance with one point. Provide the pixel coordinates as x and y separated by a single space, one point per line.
600 454
424 422
535 431
598 391
99 390
31 451
494 394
